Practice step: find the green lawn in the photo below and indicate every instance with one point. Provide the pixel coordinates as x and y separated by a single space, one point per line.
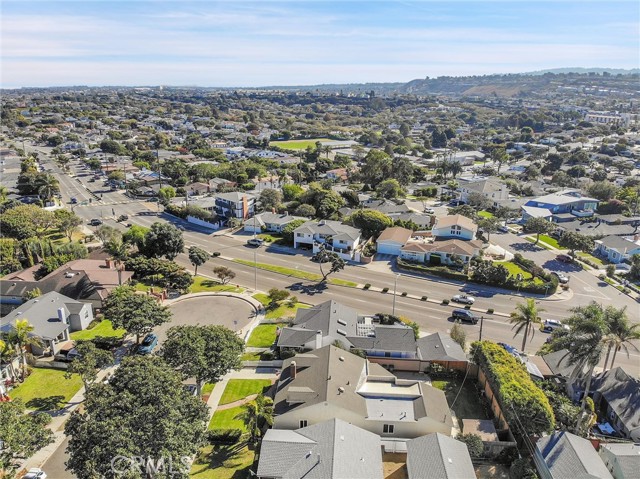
102 329
263 298
294 272
485 214
270 237
47 389
263 335
550 241
532 239
297 144
251 357
514 269
208 388
226 419
467 405
223 462
204 285
241 388
591 258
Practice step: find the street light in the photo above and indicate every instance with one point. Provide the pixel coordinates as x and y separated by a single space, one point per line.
395 286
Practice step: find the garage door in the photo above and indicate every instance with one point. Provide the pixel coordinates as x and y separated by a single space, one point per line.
389 248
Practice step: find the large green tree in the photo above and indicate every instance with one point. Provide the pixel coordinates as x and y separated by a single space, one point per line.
143 412
538 226
25 221
197 257
370 222
88 362
22 434
136 313
324 256
68 222
163 239
205 353
270 199
575 241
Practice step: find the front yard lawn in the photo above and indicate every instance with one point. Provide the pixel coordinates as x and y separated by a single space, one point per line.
550 241
485 214
590 257
103 329
297 144
204 285
514 269
241 388
47 389
226 419
208 388
263 335
284 310
223 462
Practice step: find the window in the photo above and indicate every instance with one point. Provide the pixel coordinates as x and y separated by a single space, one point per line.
303 423
387 429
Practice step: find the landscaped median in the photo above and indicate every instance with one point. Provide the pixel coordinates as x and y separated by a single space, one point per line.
295 273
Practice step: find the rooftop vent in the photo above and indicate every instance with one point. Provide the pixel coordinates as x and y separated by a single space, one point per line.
342 331
340 390
342 321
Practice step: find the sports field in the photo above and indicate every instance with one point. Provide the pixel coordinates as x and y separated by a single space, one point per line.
297 144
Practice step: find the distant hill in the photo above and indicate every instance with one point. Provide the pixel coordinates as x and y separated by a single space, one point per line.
613 71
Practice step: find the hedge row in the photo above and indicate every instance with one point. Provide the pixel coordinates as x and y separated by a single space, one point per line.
516 391
441 271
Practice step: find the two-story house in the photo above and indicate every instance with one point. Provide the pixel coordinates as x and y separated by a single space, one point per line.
236 205
333 235
491 188
454 227
563 202
332 383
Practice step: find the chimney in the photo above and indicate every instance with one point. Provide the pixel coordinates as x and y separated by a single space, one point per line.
293 369
318 339
61 316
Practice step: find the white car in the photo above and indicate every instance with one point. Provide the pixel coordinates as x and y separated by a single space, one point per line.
551 325
463 298
429 211
562 278
35 473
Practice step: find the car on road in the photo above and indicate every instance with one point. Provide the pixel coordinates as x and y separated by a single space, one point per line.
456 203
429 210
562 278
181 228
564 258
95 222
503 229
464 315
463 299
74 200
550 325
147 345
513 221
255 242
35 473
123 218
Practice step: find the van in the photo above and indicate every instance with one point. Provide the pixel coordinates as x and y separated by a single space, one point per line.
464 315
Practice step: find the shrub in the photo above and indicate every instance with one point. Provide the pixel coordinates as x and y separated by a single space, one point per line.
467 306
490 311
385 290
267 356
404 293
445 301
215 254
224 436
516 392
424 298
367 286
611 270
287 353
474 444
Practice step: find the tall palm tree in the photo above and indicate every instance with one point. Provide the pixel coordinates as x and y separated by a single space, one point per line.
21 338
7 353
621 333
48 186
586 342
523 317
256 414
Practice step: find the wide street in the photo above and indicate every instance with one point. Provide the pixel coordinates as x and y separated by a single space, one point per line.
431 316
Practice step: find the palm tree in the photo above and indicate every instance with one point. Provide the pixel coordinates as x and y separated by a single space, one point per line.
21 338
523 317
7 353
586 342
48 186
621 333
257 413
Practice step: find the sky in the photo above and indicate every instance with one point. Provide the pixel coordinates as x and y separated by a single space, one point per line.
237 43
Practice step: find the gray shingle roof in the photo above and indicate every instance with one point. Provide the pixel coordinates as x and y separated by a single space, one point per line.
328 227
387 338
328 450
622 392
627 456
42 313
569 456
619 243
437 456
440 347
558 362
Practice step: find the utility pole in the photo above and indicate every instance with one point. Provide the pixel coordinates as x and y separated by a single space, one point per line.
395 287
481 324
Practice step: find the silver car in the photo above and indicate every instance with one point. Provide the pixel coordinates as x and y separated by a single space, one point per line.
463 299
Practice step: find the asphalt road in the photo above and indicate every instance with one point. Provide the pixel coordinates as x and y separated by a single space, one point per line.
54 466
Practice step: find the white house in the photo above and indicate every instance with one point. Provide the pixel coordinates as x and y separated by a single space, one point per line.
53 316
441 252
271 222
617 249
335 236
391 240
330 383
235 205
454 227
622 460
490 188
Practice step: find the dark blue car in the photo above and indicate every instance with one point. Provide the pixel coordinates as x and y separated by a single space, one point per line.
149 342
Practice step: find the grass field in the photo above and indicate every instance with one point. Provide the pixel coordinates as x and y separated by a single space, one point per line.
223 462
514 269
47 389
295 273
103 329
297 144
263 336
591 258
550 241
532 239
226 419
203 285
251 357
241 388
485 214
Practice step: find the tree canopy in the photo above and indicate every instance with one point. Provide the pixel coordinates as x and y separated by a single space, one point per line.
22 434
163 239
370 222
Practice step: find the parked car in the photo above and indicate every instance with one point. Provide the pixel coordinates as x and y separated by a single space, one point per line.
35 473
181 228
255 242
562 278
456 203
463 299
464 315
67 355
147 345
513 221
191 389
564 258
551 325
123 218
74 200
429 210
510 349
95 222
503 229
